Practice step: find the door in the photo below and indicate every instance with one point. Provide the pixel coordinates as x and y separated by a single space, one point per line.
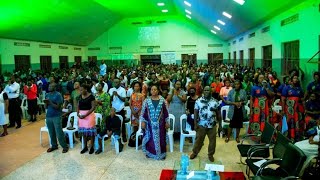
251 57
150 59
234 57
291 55
63 61
190 59
241 57
77 60
22 62
267 56
45 63
215 58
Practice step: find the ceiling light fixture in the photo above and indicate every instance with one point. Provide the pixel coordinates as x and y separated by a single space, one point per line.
160 4
213 32
164 10
187 3
241 2
217 28
221 22
227 15
188 16
188 12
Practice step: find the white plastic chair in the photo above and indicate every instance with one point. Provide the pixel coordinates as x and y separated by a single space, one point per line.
113 139
276 102
44 129
138 133
277 109
225 120
24 108
128 124
171 131
191 134
71 133
246 124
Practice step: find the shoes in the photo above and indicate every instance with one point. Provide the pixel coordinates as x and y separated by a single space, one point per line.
91 150
120 147
84 150
237 139
51 149
18 127
193 155
226 140
98 151
34 120
211 158
65 150
10 126
3 134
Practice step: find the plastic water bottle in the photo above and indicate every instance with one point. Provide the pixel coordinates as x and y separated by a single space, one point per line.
209 174
184 163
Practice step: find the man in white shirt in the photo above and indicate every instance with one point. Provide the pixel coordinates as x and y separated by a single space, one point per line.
118 98
13 91
103 68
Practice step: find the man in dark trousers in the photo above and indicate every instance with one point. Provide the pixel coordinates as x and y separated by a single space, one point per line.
13 91
113 127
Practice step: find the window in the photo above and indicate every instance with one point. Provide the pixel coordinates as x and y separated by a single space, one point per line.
77 60
241 57
291 55
251 57
22 62
190 59
234 57
63 61
215 58
267 56
45 63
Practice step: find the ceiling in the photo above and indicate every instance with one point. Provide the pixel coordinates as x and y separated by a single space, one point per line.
79 22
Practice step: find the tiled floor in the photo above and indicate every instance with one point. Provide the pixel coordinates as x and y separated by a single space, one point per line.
22 157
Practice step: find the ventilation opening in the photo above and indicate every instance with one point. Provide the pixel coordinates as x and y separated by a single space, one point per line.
136 23
290 20
77 48
113 48
94 49
215 45
21 44
147 47
241 39
44 46
63 47
252 35
188 46
160 22
265 29
234 42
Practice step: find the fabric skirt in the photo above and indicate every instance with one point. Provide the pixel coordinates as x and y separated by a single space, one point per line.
32 106
87 125
237 119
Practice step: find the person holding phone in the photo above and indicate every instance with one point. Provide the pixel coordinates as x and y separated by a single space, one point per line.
53 103
176 98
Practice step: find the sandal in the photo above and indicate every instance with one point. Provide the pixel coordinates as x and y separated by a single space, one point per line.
3 134
226 140
237 139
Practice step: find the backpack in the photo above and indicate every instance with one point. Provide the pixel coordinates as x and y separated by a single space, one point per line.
132 140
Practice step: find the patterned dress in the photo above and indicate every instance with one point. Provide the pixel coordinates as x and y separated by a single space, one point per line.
136 101
294 111
155 115
260 110
103 109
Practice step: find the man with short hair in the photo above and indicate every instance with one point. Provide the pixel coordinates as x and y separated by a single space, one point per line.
53 103
206 117
118 98
13 91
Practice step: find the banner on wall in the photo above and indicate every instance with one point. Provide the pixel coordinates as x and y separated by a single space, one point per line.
168 57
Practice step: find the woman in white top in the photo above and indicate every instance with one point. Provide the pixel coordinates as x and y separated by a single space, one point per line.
4 113
310 146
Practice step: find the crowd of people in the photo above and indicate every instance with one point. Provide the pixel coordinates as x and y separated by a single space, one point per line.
153 92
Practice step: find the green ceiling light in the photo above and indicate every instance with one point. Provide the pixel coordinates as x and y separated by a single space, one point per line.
221 22
217 28
213 32
165 10
187 3
241 2
188 12
188 16
226 14
160 4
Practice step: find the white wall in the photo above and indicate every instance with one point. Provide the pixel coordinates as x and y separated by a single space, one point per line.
169 36
306 30
8 50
